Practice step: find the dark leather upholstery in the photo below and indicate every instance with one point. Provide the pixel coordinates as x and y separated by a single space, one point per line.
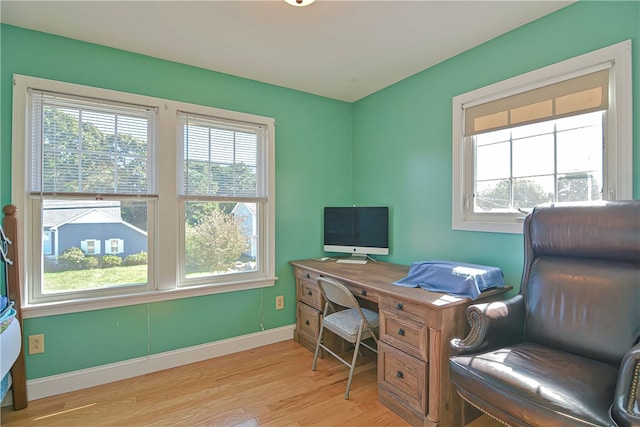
565 351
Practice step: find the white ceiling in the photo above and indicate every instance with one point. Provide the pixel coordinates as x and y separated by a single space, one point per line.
344 50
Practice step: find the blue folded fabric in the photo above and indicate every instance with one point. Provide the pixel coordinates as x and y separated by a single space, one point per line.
454 278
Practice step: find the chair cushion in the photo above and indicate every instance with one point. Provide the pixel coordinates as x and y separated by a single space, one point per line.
348 321
539 385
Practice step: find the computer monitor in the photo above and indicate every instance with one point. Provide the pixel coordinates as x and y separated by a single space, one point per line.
359 231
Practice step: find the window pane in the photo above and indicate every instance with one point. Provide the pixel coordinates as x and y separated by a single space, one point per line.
533 156
492 137
493 195
532 130
222 158
580 150
529 192
579 187
493 161
88 147
583 120
220 238
81 255
559 160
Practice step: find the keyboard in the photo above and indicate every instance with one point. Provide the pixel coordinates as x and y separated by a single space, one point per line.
352 261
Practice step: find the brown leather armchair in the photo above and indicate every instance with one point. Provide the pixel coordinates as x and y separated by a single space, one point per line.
565 351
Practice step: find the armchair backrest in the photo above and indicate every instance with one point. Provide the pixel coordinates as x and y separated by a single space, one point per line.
581 278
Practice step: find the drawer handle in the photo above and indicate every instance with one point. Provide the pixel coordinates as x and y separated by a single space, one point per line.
401 332
400 306
310 293
308 276
400 375
363 293
306 322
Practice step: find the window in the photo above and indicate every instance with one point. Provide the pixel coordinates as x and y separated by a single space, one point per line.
102 224
46 243
553 161
558 134
90 247
114 246
88 158
223 197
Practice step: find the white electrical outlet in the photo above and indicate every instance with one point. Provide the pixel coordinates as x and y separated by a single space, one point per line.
36 344
279 302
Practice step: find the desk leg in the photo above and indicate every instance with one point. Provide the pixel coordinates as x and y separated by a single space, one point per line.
435 377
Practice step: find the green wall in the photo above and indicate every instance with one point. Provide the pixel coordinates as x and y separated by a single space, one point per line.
391 148
402 134
305 147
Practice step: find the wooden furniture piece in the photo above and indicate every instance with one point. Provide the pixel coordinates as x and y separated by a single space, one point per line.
18 373
415 329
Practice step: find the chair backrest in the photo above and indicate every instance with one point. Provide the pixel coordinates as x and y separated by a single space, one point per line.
337 293
581 278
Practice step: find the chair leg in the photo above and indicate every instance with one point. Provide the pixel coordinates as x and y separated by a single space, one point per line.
353 363
315 356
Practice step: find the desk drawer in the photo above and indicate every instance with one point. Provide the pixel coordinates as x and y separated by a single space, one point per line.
307 275
361 292
307 328
308 321
309 293
404 376
404 308
404 333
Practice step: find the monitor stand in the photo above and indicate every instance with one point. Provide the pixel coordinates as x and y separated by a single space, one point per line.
354 259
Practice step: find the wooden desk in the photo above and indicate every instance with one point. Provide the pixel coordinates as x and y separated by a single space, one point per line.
415 329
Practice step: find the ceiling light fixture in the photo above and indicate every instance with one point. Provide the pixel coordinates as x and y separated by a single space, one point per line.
299 2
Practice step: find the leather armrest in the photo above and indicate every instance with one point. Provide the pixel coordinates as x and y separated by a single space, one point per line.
492 325
626 404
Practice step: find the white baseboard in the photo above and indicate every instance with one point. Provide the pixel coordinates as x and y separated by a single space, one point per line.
84 378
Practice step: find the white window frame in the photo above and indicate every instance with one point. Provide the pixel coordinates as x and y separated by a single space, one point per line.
163 223
618 166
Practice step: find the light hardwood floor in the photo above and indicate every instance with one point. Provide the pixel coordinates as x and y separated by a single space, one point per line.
268 386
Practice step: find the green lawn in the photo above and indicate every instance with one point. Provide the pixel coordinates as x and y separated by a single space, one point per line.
95 278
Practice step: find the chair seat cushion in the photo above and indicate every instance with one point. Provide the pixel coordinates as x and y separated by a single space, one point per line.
539 385
348 321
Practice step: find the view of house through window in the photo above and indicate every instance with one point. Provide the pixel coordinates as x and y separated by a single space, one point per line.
554 161
83 252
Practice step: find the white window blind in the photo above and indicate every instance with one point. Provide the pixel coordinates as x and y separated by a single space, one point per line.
222 158
89 146
579 95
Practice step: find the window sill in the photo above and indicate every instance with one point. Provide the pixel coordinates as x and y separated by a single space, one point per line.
514 226
78 306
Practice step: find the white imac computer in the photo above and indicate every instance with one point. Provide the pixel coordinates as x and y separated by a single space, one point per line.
359 231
